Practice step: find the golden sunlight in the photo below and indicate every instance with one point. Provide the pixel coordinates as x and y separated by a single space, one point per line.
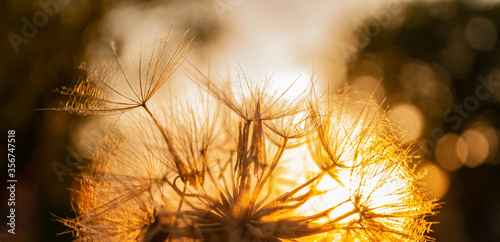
243 160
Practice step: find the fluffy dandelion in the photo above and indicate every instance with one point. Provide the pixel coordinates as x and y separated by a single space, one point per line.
239 163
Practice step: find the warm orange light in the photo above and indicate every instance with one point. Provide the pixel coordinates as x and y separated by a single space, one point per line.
409 118
451 151
435 181
477 147
242 163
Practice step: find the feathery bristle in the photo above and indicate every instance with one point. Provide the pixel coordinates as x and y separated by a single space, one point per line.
246 165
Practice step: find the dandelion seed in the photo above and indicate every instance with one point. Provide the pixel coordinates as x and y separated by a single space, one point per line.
101 92
245 165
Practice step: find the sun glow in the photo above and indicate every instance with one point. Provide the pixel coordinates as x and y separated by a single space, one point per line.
251 163
388 187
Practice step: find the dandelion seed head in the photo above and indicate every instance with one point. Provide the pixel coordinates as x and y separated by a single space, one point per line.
240 162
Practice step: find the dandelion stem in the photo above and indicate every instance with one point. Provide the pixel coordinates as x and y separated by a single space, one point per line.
179 166
179 208
263 181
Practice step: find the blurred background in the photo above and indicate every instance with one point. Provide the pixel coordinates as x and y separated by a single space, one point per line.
434 64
